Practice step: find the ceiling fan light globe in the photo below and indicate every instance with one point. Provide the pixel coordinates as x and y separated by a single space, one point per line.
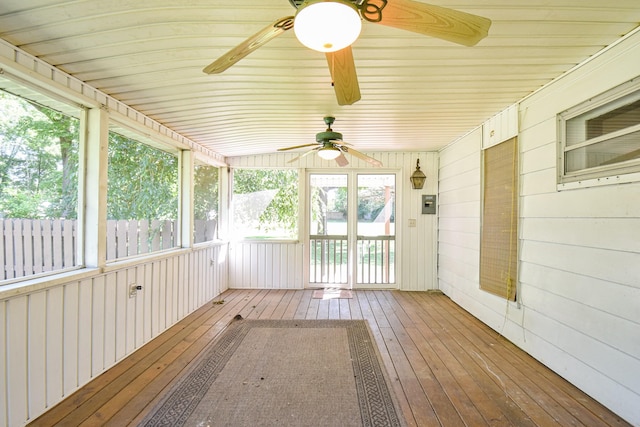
327 26
329 153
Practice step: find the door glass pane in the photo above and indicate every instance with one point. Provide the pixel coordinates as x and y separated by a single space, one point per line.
328 229
376 229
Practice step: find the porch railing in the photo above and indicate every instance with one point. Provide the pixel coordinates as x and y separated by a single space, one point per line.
375 259
328 259
29 247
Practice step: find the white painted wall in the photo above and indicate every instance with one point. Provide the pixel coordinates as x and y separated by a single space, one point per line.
60 335
280 264
579 267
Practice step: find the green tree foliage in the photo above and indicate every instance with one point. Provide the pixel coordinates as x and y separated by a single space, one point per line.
143 181
371 201
205 194
39 168
319 209
340 201
38 161
282 211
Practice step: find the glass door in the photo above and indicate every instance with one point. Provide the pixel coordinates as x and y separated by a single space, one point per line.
351 230
328 230
376 230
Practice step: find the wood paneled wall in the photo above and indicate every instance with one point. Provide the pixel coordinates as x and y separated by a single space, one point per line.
56 339
259 265
280 264
579 287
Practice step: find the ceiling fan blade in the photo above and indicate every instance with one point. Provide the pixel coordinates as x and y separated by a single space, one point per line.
341 160
435 21
356 153
249 45
297 146
303 155
343 75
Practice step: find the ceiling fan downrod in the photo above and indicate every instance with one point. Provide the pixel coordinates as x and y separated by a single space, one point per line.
329 121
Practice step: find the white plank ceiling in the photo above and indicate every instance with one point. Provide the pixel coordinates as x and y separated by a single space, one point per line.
418 93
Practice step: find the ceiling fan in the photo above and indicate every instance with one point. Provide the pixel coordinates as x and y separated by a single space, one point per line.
331 26
330 146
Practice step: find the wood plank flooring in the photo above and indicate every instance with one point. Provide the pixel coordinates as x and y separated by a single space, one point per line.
446 367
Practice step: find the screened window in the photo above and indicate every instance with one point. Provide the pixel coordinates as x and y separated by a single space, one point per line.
38 184
265 203
142 198
601 137
499 237
205 203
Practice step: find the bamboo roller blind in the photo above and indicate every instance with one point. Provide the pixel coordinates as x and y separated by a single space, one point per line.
499 239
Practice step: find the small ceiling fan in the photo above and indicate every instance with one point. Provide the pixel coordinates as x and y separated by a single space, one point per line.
330 146
331 26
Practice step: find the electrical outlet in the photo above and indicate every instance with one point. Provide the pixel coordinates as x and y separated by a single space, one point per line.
412 222
133 290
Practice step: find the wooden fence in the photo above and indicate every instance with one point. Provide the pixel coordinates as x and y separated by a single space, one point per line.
29 247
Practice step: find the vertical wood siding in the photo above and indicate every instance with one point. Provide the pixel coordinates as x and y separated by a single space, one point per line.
57 339
258 265
279 265
579 249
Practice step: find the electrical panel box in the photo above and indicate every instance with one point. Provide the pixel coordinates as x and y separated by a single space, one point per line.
429 204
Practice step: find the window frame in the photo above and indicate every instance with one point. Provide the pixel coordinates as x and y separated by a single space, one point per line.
201 162
615 173
99 114
19 88
124 131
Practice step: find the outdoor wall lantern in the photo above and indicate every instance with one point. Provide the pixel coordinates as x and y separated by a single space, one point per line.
418 177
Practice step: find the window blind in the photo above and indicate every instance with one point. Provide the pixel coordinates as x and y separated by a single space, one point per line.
499 237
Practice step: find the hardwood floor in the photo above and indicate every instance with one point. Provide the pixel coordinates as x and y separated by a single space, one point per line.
446 367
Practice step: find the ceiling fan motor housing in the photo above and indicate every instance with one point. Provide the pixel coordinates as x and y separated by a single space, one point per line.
328 136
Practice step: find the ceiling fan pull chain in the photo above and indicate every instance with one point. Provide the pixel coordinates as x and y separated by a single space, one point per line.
373 12
333 69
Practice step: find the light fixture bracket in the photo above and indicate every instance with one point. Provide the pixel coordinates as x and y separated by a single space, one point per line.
298 3
370 10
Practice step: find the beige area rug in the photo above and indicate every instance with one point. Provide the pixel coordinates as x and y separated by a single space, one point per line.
331 293
283 373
